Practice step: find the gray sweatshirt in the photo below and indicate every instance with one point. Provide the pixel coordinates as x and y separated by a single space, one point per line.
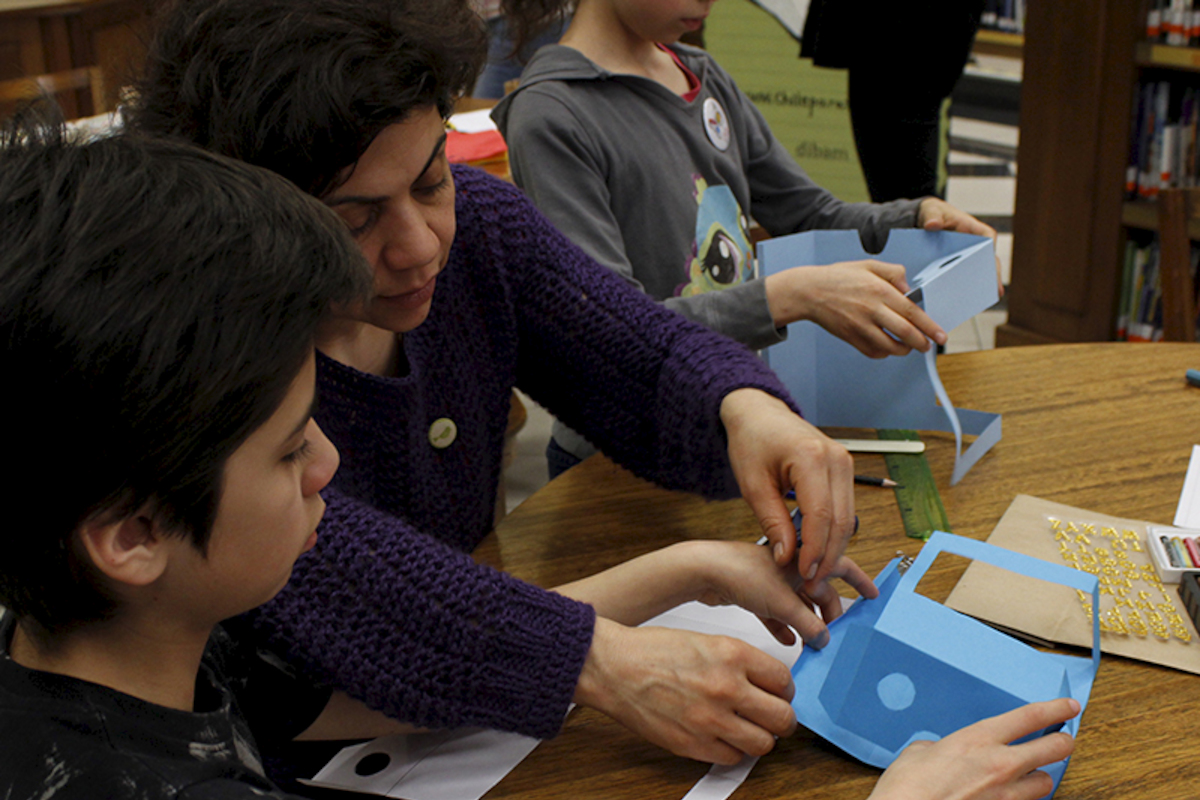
661 189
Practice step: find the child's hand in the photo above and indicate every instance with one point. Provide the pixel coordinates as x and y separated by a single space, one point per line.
721 573
862 302
746 575
978 763
711 698
938 215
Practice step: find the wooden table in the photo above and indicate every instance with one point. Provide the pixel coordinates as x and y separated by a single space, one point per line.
1106 427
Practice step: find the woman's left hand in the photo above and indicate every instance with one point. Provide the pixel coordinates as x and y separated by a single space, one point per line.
772 450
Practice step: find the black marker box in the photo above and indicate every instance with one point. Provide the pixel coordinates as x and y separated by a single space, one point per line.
1189 593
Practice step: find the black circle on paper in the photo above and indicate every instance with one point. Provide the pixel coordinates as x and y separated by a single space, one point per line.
372 764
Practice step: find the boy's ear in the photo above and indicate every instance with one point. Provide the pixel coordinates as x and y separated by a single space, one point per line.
129 551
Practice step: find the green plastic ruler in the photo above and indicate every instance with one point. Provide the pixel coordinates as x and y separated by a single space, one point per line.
917 495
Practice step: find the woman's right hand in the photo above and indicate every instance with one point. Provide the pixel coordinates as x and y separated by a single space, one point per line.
978 763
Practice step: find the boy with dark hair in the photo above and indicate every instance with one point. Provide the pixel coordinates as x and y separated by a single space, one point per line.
157 311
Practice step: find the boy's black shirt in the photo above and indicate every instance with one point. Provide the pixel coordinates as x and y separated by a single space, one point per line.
69 738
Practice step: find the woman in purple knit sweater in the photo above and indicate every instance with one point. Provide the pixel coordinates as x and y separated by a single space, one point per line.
476 293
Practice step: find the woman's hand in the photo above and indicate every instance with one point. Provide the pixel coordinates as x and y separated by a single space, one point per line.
711 698
772 450
935 214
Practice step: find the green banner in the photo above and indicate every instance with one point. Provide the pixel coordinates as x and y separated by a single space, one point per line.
804 105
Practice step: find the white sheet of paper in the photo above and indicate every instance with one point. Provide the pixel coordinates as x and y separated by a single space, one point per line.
473 121
441 765
465 764
882 445
1187 513
720 782
790 13
727 621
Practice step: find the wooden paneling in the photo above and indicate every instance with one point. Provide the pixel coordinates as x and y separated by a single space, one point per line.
115 36
20 48
44 37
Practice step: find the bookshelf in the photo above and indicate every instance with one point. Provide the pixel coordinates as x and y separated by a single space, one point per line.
1159 60
998 43
1142 215
1070 223
1149 54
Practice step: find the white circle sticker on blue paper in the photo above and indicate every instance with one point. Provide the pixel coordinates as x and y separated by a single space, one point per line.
716 124
896 691
442 433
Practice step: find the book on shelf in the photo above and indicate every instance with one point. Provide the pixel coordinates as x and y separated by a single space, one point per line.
1003 15
1162 144
1173 22
1139 310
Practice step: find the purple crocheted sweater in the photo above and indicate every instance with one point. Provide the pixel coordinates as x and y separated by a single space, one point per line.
389 606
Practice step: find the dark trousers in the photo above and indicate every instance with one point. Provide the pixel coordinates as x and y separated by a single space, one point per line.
900 134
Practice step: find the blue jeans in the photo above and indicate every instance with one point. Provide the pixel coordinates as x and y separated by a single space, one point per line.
558 460
502 65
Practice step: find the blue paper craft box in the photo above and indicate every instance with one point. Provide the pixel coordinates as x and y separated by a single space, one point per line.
902 667
952 276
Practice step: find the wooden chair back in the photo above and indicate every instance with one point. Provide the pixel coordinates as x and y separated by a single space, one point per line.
80 92
1178 219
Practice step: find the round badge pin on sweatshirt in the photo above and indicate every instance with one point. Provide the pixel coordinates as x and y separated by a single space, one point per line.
716 124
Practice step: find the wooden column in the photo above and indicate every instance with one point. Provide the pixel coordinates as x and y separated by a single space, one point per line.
1076 94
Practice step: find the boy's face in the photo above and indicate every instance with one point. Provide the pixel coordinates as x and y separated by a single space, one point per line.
662 21
268 513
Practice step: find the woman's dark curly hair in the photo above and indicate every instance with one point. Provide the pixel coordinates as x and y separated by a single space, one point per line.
302 87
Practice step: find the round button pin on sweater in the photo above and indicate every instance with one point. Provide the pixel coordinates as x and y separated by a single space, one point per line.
442 433
716 124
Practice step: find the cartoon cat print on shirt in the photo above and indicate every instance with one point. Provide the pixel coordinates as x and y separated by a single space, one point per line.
721 255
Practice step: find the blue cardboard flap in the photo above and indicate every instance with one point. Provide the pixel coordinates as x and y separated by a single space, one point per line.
952 276
903 667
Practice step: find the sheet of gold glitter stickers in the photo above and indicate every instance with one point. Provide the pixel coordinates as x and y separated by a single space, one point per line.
1140 617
